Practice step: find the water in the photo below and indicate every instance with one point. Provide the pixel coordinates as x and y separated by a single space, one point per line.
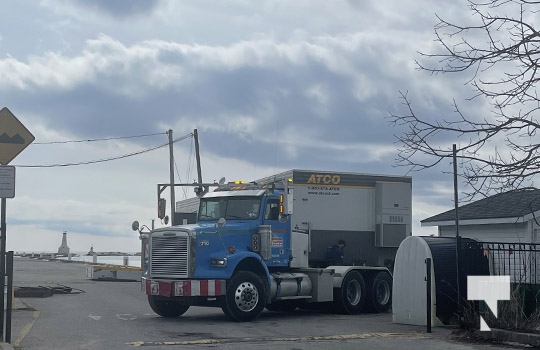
133 260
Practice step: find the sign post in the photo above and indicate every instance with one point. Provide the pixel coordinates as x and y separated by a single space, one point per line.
14 137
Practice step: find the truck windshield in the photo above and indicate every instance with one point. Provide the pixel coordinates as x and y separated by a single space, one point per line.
245 208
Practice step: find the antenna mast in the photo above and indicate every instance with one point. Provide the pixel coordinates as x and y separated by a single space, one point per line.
171 171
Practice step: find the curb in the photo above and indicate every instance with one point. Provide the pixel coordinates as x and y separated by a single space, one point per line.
531 339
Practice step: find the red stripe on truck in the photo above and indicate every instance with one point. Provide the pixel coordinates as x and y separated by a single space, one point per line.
204 287
218 287
194 288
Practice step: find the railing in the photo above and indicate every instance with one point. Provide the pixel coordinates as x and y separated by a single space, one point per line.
521 261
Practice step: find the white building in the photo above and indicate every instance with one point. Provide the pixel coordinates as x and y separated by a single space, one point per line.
511 217
508 223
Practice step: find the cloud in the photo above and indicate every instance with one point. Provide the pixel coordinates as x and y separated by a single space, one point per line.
159 64
120 9
259 83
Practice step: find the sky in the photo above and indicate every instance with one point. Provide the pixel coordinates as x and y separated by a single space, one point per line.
269 85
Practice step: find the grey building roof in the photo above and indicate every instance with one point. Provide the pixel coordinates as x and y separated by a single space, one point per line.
510 204
190 205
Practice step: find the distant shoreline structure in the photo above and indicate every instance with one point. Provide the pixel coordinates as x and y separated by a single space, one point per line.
109 254
131 260
56 255
64 252
92 253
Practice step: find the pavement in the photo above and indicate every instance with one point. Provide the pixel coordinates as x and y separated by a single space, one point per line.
18 304
6 346
502 335
514 340
21 327
16 332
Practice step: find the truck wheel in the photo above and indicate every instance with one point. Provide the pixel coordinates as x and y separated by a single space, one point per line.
245 298
379 298
349 299
166 307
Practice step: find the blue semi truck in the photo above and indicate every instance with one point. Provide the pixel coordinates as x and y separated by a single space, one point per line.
263 245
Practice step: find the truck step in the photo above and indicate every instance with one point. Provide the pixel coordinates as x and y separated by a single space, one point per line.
295 297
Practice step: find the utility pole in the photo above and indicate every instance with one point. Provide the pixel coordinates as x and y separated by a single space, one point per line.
2 265
171 171
458 238
197 155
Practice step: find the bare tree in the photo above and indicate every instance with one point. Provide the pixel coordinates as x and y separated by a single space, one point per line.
500 52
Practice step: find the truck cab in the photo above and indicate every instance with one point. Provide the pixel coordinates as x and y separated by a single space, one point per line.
239 233
235 217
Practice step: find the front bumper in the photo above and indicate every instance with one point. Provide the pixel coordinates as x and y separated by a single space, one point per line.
183 288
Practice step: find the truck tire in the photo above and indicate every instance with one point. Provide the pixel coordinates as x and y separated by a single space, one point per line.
245 297
379 296
350 298
166 307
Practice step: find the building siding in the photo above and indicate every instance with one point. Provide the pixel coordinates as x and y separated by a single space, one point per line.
506 233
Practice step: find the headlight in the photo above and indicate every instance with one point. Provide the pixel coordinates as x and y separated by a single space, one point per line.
218 262
146 259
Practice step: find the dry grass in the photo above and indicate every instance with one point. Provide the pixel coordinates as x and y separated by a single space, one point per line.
520 313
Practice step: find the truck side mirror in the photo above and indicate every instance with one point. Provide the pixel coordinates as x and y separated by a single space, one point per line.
221 222
161 208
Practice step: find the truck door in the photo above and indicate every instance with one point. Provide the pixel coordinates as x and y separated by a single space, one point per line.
280 235
271 211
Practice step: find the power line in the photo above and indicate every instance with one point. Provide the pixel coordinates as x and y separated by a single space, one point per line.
105 159
188 170
95 140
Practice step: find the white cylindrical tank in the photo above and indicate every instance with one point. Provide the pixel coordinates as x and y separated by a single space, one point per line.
409 297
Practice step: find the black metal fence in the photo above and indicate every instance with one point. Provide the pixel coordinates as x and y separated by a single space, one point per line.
520 261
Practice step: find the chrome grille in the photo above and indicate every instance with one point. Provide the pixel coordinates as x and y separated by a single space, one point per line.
170 256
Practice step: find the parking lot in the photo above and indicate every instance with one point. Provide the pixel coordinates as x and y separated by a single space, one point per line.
115 315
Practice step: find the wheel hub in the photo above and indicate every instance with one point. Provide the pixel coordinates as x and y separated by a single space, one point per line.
246 296
354 293
383 293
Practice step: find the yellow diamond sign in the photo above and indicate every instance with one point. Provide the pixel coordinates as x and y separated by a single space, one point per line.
14 136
